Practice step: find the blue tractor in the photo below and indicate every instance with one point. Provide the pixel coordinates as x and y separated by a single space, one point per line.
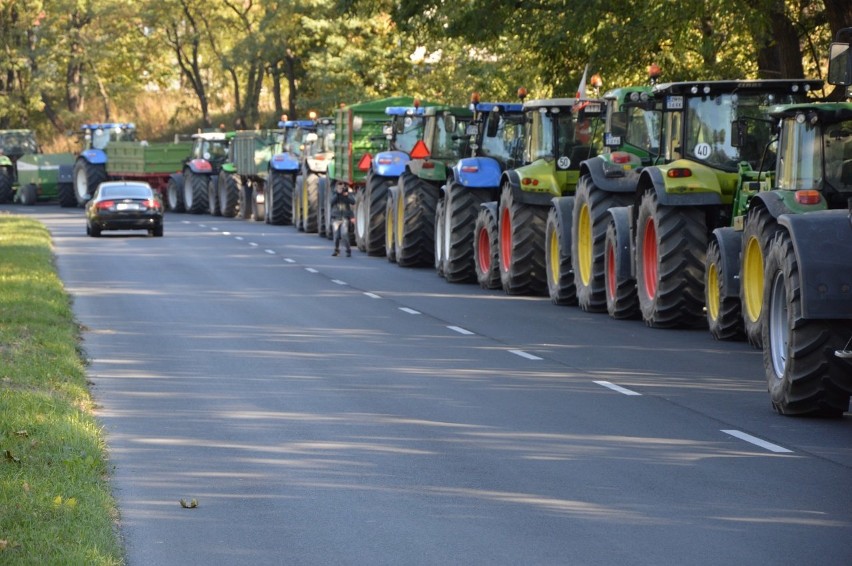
90 166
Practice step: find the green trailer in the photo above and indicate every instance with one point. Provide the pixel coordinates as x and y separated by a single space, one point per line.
153 163
45 177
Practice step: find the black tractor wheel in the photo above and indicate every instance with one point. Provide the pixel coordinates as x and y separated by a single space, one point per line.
6 193
194 192
724 317
522 264
229 194
461 210
486 245
390 230
670 247
759 229
174 193
245 208
371 221
589 223
323 220
213 197
804 377
414 224
309 203
280 198
621 299
557 238
440 247
66 195
87 177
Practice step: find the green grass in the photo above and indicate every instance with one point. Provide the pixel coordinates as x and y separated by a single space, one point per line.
55 500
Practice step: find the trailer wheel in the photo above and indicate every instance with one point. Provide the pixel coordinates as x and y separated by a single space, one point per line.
590 221
390 232
415 221
229 197
258 202
324 221
194 192
522 262
440 247
758 231
486 245
29 194
87 177
724 317
670 247
212 198
174 193
557 238
66 195
371 221
804 377
461 210
244 200
6 193
309 202
280 198
621 299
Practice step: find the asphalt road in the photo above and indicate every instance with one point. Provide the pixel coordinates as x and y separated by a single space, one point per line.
347 411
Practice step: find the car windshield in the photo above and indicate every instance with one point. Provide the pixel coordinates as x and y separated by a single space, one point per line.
126 191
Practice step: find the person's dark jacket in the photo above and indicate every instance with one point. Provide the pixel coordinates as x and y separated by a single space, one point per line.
341 206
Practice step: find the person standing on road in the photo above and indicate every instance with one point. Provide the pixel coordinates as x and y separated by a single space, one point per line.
341 216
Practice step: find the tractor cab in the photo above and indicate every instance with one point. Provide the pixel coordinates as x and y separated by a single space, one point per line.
211 147
500 132
98 136
633 125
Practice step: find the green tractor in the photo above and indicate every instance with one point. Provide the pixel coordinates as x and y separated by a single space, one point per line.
412 204
807 293
609 180
560 133
29 176
656 252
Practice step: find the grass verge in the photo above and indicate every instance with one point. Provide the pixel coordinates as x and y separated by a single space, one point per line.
55 500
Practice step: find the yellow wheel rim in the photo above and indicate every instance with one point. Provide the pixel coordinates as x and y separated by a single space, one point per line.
584 244
553 247
399 224
753 279
713 295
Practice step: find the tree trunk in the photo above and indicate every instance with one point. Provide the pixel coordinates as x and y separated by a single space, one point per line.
290 62
780 55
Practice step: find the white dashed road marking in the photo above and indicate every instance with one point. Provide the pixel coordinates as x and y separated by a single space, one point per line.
460 330
758 442
618 388
373 295
408 310
523 354
311 270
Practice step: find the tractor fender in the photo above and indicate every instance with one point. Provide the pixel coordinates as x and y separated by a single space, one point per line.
390 163
200 166
822 241
478 172
94 156
513 181
654 177
284 162
730 242
620 218
783 202
319 166
626 183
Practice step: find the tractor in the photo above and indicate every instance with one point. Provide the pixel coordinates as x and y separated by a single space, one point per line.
496 145
411 205
190 190
560 134
90 166
290 197
807 293
655 255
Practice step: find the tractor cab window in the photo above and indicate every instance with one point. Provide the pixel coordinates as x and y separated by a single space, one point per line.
837 147
708 128
800 156
673 135
292 143
506 143
643 129
448 139
546 130
409 131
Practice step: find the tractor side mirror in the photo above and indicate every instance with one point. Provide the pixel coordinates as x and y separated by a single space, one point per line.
839 65
492 126
739 132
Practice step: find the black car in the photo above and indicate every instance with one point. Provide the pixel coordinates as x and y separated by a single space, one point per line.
124 205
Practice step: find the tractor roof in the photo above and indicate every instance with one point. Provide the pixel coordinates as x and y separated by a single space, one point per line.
213 136
550 103
298 124
704 88
505 107
460 111
628 93
404 110
826 112
109 126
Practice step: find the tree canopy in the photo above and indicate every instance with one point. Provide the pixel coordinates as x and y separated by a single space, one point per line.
64 62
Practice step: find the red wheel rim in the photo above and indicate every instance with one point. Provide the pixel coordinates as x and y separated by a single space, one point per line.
649 259
506 240
483 251
610 273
